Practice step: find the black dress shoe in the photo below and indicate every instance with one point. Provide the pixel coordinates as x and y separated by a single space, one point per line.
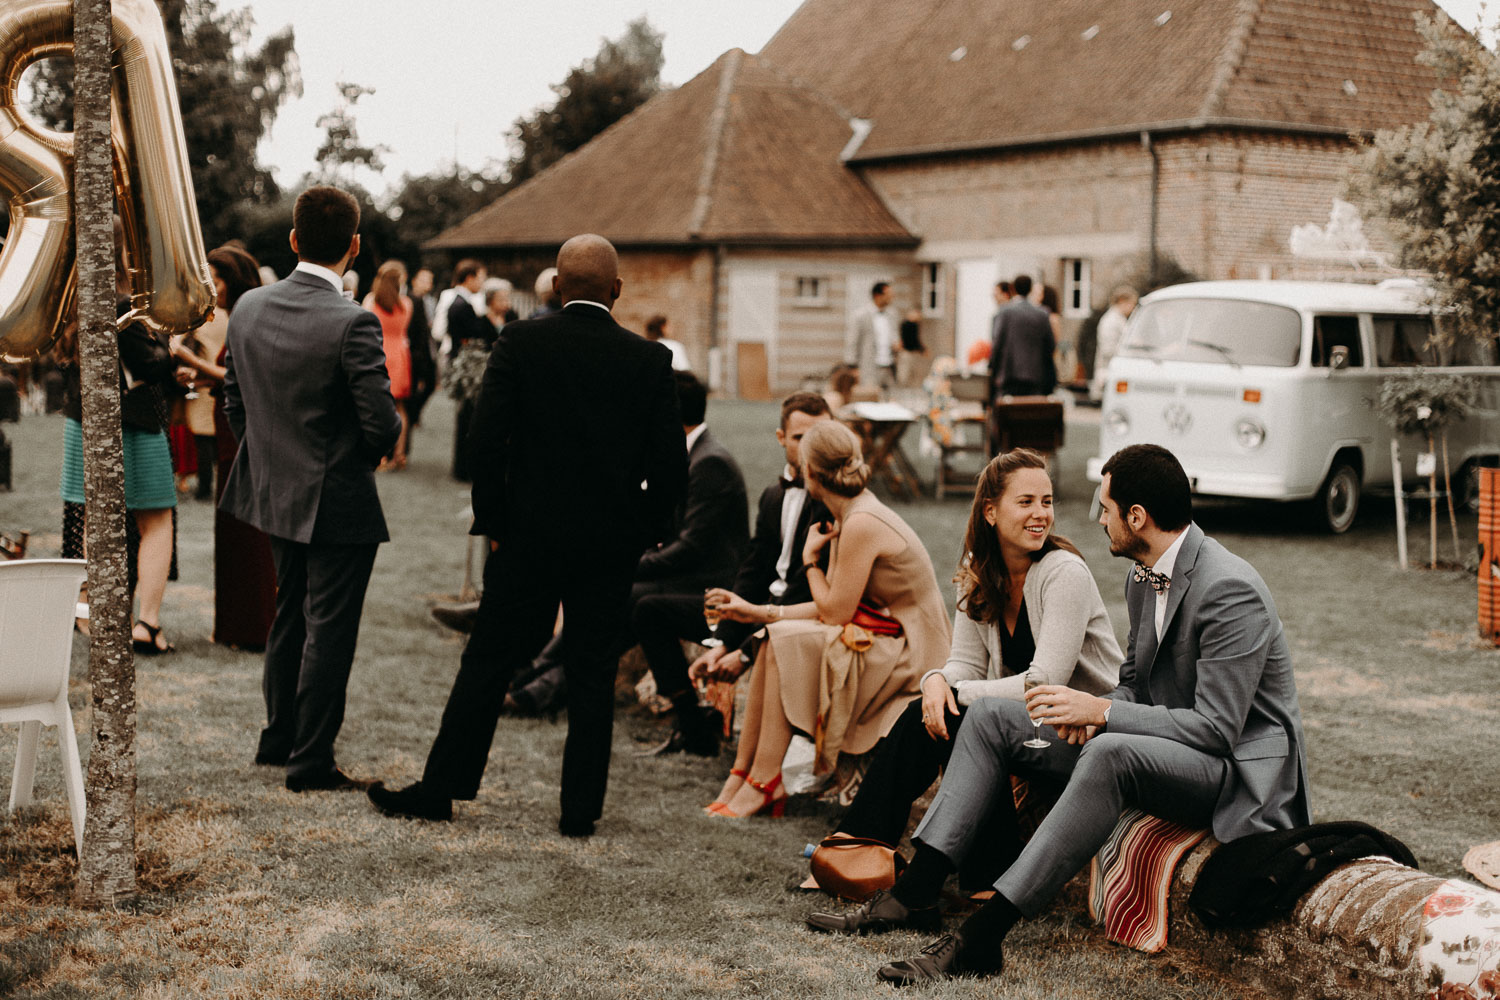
945 958
680 742
265 758
412 802
333 781
880 913
575 828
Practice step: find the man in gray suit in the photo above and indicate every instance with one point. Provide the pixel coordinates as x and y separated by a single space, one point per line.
1021 347
873 339
1203 730
307 394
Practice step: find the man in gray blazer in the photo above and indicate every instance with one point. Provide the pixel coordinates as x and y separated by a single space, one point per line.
1203 729
1021 347
307 394
874 338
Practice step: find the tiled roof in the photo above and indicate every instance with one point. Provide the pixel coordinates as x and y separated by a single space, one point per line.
738 154
937 75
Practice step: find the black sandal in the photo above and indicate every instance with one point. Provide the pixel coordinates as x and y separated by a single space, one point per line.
149 647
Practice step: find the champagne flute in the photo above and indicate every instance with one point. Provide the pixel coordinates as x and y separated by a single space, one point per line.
1033 678
711 604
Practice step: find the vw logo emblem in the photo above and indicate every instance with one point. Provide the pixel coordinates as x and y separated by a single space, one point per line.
1178 418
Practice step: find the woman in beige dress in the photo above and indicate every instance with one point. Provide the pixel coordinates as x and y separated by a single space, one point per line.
842 667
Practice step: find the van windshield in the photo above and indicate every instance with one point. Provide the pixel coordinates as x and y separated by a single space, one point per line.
1215 331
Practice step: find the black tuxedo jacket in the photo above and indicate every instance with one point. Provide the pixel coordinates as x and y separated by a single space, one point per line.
712 523
758 571
465 324
419 342
575 412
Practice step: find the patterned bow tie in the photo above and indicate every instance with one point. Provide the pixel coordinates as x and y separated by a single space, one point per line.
1159 581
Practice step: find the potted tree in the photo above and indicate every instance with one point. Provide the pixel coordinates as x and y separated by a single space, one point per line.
1426 404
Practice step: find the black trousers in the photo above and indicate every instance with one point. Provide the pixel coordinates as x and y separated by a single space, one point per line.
516 614
320 595
661 622
906 762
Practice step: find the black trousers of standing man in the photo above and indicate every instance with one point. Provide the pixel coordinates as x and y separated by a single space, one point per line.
516 614
320 595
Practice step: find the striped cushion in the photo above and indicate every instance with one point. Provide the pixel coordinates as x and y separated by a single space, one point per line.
1130 876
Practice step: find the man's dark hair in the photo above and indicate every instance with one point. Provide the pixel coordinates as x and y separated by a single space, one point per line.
325 220
811 403
1004 286
654 327
1151 476
1022 285
879 287
692 398
464 270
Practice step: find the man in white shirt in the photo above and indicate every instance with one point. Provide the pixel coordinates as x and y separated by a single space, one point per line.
1111 332
872 341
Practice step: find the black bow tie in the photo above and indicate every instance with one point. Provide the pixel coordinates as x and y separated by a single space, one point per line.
1159 581
794 483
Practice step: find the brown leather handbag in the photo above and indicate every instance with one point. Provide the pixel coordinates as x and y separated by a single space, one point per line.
855 867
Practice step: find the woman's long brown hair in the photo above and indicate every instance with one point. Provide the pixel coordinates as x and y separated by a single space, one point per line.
983 581
386 289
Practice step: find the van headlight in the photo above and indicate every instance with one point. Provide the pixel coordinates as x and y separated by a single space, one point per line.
1250 433
1117 422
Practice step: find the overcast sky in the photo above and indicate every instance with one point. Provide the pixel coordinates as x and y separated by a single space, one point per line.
451 76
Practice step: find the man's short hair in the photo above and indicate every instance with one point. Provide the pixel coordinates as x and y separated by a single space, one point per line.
325 220
811 403
1151 476
1004 286
466 269
878 287
692 398
1022 285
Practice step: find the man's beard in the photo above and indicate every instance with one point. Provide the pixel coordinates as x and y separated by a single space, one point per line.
1132 546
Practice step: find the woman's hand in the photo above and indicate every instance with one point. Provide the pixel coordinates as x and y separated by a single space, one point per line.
937 703
720 664
1058 705
818 539
735 608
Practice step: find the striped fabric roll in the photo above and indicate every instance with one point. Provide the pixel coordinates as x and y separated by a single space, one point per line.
1130 876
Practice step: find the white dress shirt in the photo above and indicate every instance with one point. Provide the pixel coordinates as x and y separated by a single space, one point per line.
792 502
1164 566
884 336
327 274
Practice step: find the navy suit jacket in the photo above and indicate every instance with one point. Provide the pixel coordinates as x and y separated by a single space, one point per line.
307 395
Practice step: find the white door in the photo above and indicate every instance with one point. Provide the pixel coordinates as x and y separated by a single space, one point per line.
975 308
752 316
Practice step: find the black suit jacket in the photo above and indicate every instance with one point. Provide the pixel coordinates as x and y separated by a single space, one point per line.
574 413
465 324
712 523
758 571
307 395
1021 351
419 341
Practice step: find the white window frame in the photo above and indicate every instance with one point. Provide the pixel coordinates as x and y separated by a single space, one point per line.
932 288
1077 286
818 299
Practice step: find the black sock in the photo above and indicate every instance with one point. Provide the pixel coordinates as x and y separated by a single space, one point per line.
989 924
920 884
689 716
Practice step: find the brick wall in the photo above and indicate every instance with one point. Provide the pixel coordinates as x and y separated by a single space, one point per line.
679 285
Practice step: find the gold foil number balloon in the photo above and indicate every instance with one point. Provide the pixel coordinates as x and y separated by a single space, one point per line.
169 279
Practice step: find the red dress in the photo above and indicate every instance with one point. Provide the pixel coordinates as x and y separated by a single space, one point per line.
397 351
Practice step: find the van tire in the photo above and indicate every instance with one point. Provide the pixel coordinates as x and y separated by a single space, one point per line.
1338 499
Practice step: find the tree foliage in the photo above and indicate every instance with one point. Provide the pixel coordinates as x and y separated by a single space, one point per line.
1436 184
341 147
598 92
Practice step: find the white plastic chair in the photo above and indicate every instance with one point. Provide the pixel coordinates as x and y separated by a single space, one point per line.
38 598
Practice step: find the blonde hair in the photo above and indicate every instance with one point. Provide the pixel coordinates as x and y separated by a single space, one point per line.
832 455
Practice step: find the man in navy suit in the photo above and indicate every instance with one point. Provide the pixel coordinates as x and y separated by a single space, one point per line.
307 395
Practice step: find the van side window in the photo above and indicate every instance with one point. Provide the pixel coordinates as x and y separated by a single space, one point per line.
1468 351
1404 341
1336 331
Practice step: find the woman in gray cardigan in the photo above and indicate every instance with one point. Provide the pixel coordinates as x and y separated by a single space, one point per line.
1027 600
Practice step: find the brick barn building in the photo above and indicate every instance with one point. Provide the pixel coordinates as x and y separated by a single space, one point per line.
944 146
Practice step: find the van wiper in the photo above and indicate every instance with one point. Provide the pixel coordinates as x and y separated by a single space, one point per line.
1149 350
1219 349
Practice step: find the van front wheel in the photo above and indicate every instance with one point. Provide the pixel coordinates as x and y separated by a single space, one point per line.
1338 500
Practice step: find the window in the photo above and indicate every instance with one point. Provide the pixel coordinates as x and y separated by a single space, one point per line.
1404 341
1336 331
1215 331
1075 290
812 290
932 289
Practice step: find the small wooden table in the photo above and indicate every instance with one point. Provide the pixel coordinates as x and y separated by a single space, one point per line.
880 427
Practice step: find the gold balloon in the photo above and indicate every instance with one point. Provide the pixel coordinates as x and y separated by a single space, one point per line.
170 286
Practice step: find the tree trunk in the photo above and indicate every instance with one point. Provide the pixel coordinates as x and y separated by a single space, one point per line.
1458 557
106 872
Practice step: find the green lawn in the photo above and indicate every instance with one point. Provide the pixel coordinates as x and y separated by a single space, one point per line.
251 891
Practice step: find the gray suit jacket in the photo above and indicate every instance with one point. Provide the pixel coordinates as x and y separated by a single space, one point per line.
1021 351
859 343
1220 681
307 394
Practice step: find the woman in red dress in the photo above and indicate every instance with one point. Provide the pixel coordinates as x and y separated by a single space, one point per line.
393 308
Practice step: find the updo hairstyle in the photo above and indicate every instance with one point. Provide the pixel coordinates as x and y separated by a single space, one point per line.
832 456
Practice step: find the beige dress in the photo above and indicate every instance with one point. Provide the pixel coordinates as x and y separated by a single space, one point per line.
880 682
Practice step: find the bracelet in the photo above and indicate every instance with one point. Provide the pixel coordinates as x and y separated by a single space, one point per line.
774 612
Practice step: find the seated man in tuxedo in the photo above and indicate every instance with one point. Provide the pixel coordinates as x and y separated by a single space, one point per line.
1203 730
712 533
772 573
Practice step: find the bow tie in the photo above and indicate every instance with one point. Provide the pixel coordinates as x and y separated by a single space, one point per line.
794 484
1159 581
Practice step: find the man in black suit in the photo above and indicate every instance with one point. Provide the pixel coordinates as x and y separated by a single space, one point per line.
1021 349
771 574
575 413
306 393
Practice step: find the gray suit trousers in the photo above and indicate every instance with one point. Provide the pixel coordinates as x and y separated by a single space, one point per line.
1103 777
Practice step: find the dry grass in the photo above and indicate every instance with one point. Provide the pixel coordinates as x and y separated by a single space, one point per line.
250 891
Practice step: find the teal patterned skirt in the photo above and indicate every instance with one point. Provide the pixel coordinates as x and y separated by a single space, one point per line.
149 484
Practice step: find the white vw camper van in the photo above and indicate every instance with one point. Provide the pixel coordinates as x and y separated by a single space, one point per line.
1267 389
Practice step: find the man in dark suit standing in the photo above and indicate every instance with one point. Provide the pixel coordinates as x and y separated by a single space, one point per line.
575 413
1021 349
307 394
771 575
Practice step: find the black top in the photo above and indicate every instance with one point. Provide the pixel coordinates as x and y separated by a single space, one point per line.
146 357
1018 648
911 335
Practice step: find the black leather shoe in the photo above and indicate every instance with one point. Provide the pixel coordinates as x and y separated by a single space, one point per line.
266 759
945 958
334 781
681 742
575 828
411 802
880 913
458 617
